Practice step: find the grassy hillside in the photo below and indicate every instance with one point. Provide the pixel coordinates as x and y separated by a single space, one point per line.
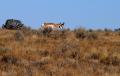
76 52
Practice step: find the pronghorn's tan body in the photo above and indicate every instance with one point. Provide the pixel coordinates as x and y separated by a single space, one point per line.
52 25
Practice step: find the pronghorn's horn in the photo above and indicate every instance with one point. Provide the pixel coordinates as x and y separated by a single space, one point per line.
63 23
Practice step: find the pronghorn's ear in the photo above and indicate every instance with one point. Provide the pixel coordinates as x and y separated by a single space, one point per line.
63 23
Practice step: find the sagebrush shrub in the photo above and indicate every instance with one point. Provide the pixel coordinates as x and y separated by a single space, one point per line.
80 33
92 36
9 59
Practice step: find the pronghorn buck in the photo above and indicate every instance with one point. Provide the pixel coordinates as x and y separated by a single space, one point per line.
52 26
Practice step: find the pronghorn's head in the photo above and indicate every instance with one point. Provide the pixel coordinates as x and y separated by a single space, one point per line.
61 25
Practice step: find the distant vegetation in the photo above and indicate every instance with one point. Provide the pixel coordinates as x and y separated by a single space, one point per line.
78 52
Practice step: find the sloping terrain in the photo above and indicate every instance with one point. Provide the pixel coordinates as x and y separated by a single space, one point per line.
59 53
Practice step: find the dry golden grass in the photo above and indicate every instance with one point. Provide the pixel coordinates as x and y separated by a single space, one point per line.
59 53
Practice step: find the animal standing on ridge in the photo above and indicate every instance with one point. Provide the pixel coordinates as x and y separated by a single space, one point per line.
52 26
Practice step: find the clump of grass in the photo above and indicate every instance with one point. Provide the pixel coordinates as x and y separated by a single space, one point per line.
43 53
4 50
54 34
115 61
97 53
68 50
108 30
19 36
80 33
9 59
39 32
86 34
27 31
92 36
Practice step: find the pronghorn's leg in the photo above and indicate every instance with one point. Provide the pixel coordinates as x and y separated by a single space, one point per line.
47 30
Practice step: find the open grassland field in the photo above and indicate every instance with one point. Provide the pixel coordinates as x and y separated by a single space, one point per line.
77 52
